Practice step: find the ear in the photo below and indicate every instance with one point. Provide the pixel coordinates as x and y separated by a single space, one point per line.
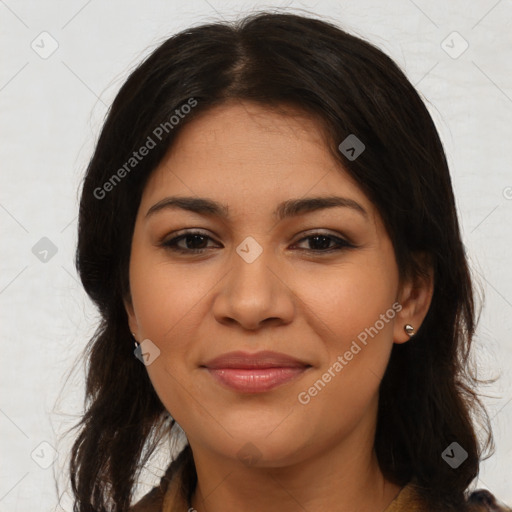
132 319
415 296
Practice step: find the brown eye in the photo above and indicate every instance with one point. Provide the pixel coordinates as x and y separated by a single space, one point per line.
194 241
321 242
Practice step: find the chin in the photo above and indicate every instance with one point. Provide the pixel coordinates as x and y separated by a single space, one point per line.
259 445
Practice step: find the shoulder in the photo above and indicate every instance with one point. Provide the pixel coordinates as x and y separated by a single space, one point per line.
484 501
412 499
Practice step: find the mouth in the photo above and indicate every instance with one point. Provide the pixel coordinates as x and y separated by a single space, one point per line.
254 373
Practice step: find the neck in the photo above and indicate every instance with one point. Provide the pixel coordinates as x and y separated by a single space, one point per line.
344 478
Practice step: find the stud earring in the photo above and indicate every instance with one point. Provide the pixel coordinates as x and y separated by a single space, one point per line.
409 329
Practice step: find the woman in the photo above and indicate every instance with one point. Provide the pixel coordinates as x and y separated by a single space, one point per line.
268 216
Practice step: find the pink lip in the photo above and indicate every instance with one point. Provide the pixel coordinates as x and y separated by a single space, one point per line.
254 373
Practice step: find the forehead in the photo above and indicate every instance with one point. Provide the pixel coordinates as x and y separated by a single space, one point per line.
252 157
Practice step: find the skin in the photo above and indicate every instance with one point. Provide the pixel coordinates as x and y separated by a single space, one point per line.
311 305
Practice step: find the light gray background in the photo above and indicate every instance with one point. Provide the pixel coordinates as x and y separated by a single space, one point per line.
52 109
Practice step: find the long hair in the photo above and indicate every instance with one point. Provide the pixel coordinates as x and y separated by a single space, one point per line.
427 396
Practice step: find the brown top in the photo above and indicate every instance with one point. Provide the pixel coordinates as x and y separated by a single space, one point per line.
169 497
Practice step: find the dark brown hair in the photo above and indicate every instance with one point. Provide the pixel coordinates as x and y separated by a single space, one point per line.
427 396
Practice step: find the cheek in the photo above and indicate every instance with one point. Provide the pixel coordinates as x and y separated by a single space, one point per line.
354 310
350 299
165 297
358 345
167 304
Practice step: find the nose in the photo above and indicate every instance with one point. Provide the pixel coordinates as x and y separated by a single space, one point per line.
254 294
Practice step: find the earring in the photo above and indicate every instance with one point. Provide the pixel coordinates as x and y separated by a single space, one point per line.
136 342
409 329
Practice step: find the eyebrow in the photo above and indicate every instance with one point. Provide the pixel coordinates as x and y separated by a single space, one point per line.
286 209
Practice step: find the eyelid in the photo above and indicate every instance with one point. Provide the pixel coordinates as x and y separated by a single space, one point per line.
306 234
324 232
340 240
182 233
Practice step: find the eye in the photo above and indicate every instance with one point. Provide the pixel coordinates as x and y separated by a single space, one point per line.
196 239
196 242
321 243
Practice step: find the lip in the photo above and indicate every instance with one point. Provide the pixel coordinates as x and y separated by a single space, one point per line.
255 373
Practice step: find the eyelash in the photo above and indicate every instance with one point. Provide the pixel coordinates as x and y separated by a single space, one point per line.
172 243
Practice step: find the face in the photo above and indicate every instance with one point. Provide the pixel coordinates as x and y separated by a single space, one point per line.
316 285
